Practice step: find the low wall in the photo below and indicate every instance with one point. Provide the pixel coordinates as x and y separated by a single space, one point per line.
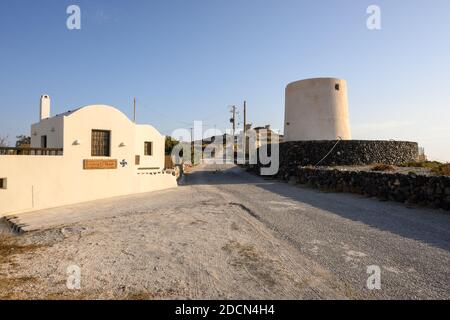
431 191
413 189
40 182
346 152
296 156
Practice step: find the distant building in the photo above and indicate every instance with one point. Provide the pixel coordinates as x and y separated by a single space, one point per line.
258 136
86 154
265 135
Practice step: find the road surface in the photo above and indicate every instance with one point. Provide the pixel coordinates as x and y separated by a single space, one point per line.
346 233
227 234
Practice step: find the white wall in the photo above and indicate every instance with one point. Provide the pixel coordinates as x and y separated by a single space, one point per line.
148 133
53 128
38 182
315 110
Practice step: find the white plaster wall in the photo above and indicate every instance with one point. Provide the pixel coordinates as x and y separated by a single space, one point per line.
39 182
28 175
148 133
315 110
53 128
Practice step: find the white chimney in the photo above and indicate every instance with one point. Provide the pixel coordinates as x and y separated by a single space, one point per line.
45 107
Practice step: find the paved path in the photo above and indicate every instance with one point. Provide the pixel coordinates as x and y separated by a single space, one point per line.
346 233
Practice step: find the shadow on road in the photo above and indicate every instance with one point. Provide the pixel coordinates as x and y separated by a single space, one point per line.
428 226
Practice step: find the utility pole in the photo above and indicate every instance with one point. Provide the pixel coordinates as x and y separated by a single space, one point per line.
192 146
233 120
245 117
245 129
134 112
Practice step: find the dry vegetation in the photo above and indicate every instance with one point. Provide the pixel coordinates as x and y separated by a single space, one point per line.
9 248
3 141
383 167
443 169
435 166
421 164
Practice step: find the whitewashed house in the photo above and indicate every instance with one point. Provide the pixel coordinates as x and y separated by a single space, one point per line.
89 153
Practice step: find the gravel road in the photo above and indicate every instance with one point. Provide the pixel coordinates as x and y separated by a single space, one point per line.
345 234
226 234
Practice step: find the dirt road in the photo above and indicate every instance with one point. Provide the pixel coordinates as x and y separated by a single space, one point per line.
227 234
345 234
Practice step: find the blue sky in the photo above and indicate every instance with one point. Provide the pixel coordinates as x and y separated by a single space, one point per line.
189 60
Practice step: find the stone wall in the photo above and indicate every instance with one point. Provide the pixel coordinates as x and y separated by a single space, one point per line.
346 152
432 191
298 158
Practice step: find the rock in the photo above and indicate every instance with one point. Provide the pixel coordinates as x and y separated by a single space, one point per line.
298 157
348 152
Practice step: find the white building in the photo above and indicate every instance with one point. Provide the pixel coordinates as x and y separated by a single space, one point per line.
265 135
317 109
89 153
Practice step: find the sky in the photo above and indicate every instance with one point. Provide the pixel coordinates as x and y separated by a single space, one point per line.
190 60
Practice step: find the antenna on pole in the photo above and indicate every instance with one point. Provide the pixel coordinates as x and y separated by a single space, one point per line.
134 112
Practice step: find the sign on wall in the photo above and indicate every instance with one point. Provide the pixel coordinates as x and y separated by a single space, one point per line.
99 164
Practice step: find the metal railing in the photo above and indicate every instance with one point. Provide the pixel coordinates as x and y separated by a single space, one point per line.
10 151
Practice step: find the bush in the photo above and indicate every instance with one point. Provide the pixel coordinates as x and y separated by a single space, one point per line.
383 167
422 164
443 169
170 144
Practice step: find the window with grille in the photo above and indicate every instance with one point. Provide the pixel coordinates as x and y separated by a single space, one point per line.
148 148
100 143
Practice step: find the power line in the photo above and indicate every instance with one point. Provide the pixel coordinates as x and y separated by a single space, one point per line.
167 117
